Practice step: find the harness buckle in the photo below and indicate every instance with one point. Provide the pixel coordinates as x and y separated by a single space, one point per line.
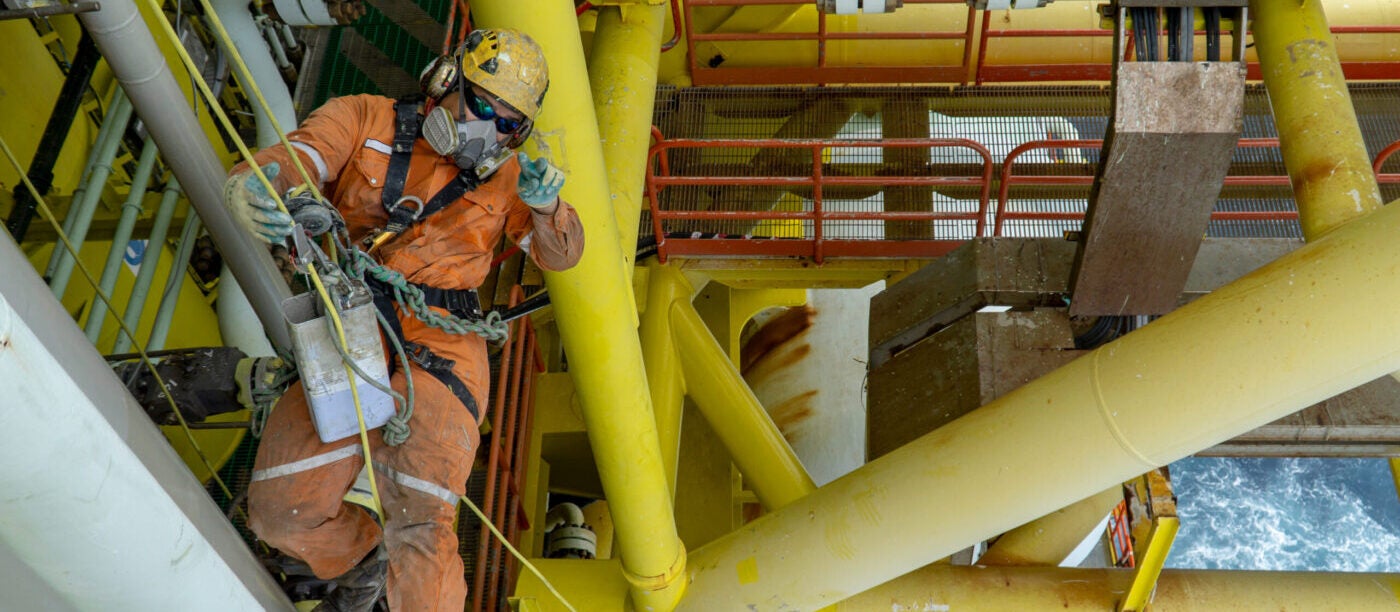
417 209
426 359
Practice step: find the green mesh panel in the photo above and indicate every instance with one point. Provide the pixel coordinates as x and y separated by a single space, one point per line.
340 76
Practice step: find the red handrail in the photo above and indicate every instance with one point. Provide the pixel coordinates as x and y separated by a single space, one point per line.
816 180
1007 179
1380 161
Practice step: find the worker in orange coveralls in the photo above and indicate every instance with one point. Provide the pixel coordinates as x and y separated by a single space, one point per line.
435 191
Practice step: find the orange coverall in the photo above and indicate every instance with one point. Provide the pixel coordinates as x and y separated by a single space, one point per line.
295 500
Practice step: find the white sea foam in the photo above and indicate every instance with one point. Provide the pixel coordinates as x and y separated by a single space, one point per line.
1286 514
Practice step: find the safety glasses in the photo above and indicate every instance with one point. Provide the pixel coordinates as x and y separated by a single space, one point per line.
483 109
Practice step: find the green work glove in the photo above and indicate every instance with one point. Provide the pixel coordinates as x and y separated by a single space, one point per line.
254 208
539 182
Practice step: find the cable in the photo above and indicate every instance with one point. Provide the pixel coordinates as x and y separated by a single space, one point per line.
249 85
1212 18
513 551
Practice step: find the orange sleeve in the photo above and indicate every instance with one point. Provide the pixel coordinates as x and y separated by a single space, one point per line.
324 142
555 241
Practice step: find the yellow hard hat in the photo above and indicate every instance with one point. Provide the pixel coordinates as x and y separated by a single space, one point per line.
508 64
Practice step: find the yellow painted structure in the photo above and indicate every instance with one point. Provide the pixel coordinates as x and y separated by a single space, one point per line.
1321 142
1298 331
1001 51
596 315
622 70
1050 538
1294 328
712 380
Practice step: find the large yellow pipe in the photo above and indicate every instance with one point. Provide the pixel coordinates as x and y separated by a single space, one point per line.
948 587
664 376
1295 332
622 70
764 457
1050 538
1317 130
592 303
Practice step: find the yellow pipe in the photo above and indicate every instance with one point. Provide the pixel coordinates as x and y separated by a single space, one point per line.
597 316
764 457
1050 538
622 69
1318 134
1295 332
1149 569
1029 589
664 376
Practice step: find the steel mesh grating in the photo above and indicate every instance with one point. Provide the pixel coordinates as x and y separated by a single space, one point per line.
999 118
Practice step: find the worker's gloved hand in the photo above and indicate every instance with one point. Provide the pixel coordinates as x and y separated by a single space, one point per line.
254 208
539 182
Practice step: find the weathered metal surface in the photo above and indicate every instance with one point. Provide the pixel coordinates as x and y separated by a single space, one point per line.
1011 272
940 376
958 369
1174 130
1363 422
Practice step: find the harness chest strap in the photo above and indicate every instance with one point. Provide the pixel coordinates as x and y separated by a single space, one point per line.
405 211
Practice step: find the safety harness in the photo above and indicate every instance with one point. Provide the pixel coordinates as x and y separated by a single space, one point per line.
404 211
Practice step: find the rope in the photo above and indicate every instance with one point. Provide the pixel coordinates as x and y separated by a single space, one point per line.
491 327
396 431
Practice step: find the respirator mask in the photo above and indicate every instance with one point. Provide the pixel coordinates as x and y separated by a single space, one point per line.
473 145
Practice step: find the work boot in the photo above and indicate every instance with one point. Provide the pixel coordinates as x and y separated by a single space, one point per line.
358 589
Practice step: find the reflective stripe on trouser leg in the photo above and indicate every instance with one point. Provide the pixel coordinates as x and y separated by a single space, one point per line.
297 505
419 483
294 502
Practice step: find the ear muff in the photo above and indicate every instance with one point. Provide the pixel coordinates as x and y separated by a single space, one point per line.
440 77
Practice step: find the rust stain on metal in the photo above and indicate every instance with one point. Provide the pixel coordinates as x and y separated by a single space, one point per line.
793 412
774 334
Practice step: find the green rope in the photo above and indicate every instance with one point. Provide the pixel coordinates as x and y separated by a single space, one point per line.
396 431
492 328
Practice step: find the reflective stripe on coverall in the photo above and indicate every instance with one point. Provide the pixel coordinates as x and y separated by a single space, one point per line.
343 146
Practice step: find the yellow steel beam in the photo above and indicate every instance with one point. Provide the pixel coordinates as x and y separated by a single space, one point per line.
1317 130
1298 330
1032 589
596 314
596 585
1149 567
764 457
1050 538
664 376
756 273
622 69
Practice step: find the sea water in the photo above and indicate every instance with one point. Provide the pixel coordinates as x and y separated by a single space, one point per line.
1286 515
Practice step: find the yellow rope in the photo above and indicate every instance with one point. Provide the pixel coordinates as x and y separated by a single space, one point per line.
251 86
47 213
513 551
262 178
354 388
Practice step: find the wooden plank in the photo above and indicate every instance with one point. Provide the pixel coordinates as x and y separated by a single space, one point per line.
1175 127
